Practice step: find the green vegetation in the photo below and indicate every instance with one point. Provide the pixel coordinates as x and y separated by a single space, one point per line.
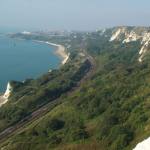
110 111
32 94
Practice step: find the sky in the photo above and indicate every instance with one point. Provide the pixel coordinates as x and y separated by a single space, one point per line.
73 14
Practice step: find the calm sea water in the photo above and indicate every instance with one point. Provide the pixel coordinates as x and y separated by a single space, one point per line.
22 59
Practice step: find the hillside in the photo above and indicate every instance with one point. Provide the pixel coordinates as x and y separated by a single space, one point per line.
109 110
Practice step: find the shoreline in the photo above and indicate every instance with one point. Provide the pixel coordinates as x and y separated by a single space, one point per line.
60 51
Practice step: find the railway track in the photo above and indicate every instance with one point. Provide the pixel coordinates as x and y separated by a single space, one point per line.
5 134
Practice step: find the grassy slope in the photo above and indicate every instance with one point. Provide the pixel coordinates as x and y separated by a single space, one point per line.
32 94
109 112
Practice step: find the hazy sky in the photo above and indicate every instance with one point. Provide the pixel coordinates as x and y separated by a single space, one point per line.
73 14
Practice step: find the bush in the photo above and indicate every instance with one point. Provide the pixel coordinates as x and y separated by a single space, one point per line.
56 124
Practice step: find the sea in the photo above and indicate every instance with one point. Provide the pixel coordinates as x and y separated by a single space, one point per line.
24 59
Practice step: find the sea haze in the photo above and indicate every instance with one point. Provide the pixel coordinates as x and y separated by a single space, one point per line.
22 59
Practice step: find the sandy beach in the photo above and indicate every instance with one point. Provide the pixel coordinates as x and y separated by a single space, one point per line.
60 51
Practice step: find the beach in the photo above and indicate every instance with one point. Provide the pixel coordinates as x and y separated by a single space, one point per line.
60 51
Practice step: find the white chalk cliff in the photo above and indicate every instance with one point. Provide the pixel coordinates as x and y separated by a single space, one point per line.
4 98
117 34
8 91
145 145
125 36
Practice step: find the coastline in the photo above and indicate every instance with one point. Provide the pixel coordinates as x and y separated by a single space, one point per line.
60 51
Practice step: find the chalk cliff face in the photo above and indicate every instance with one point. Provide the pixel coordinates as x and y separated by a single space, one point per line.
8 91
4 98
126 35
131 34
145 145
117 34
